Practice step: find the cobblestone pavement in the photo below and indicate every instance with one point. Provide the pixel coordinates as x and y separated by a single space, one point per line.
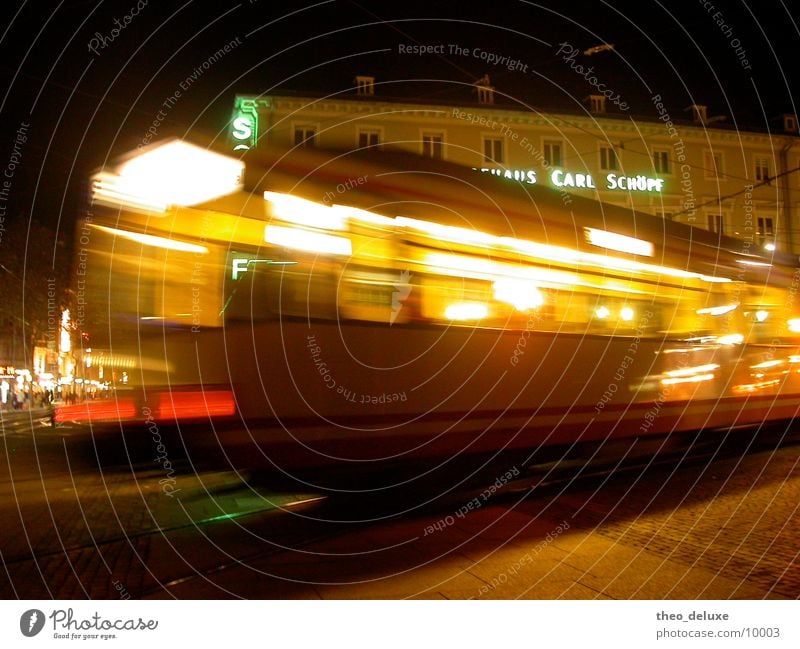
726 529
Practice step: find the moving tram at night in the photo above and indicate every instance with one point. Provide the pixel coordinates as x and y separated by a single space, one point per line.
339 306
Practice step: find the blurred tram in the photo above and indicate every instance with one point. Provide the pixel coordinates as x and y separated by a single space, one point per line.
346 306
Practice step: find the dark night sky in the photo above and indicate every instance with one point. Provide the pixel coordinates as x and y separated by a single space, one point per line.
80 105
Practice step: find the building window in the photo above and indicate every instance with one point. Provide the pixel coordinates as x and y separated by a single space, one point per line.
433 145
493 150
790 124
715 223
305 135
667 216
485 95
608 158
369 138
552 153
762 168
661 162
766 230
365 86
597 103
712 165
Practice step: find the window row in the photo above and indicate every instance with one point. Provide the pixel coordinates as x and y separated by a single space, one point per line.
432 144
716 222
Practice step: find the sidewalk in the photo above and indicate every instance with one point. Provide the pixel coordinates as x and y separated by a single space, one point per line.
21 415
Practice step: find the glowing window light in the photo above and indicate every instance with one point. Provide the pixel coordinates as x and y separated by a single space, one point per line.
551 252
717 310
447 232
358 214
626 314
602 312
466 311
520 294
560 254
173 173
770 247
157 242
619 242
762 315
766 365
304 212
691 371
759 264
488 269
109 189
309 241
794 325
731 339
697 378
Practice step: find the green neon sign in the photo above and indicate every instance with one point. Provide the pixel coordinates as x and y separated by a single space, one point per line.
244 123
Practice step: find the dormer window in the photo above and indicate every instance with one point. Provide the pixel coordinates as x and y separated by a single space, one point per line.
597 103
365 86
485 90
699 113
790 124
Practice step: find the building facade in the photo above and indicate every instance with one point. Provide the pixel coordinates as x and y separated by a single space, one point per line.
698 171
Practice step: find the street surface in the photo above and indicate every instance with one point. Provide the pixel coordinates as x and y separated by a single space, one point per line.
716 528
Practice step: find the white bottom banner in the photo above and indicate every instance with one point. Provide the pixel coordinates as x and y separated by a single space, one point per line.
401 624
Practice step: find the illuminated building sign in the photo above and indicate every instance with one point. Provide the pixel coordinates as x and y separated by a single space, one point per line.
563 179
244 123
